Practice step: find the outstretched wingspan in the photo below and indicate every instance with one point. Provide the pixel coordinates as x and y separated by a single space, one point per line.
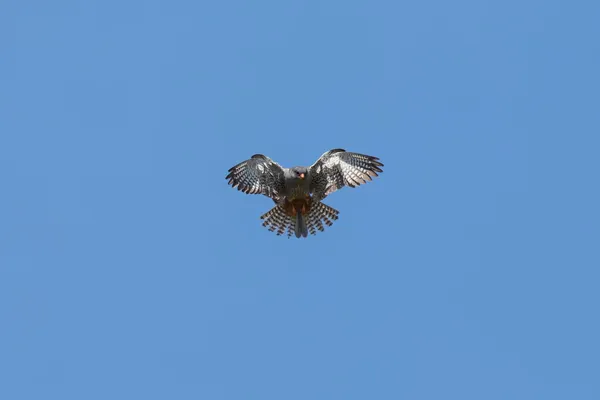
258 175
338 168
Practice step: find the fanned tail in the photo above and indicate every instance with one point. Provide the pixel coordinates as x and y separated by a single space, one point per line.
276 220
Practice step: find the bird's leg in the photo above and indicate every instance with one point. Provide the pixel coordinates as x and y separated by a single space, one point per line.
306 204
289 208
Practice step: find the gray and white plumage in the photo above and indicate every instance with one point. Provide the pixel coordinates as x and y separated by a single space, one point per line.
298 191
258 175
338 168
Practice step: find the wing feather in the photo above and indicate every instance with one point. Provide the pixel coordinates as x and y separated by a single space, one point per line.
258 175
338 168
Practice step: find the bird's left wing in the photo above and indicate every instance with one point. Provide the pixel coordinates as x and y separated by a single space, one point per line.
338 168
258 175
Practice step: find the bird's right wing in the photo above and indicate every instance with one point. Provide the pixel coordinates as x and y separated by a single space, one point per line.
258 175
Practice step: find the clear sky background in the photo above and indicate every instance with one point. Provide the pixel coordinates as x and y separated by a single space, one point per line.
468 270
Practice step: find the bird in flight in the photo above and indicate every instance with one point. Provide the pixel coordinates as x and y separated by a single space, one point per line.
298 192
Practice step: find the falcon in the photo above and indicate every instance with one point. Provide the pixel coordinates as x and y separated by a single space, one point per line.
298 192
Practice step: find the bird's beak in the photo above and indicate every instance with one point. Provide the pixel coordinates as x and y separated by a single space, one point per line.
301 176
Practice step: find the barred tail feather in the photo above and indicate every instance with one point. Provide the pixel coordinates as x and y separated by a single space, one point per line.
276 220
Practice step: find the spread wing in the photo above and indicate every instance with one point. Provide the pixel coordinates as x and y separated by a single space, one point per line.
258 175
338 168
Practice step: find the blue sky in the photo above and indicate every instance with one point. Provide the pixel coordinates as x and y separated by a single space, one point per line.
468 270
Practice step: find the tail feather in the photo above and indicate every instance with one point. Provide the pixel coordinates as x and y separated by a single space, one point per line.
276 220
300 228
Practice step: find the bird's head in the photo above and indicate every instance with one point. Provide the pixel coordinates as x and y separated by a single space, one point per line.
300 172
